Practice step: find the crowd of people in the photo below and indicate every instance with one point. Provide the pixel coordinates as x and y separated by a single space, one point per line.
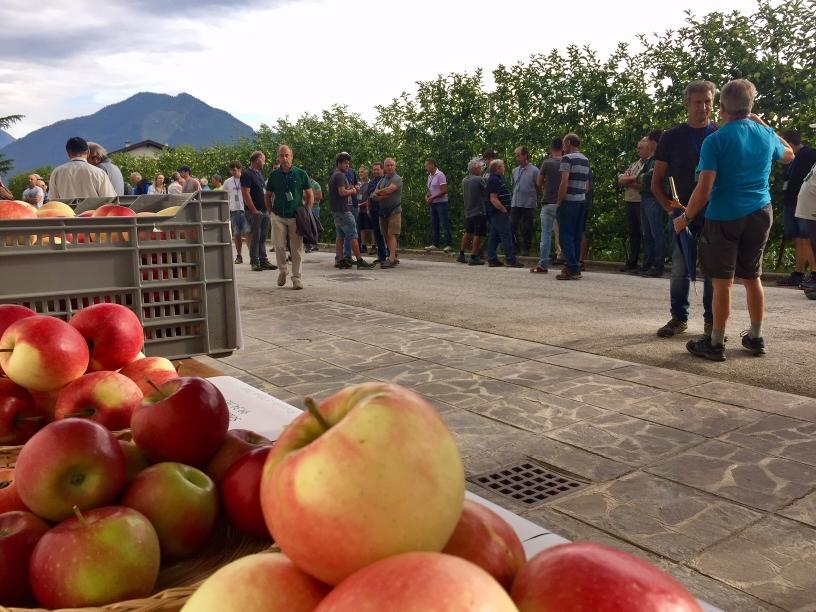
707 183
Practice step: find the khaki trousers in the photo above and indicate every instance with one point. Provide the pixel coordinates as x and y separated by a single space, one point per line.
281 229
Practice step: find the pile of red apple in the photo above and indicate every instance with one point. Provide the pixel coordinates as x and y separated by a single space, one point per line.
86 518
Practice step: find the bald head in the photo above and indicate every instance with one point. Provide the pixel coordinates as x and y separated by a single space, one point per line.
285 157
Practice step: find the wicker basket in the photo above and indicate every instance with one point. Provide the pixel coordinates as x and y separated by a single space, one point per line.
178 580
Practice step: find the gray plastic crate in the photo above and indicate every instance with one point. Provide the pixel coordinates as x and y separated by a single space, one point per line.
176 273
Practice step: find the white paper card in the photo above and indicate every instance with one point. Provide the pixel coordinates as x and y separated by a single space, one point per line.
253 409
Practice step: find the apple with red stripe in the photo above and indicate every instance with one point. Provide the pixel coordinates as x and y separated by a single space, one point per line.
19 533
114 335
105 397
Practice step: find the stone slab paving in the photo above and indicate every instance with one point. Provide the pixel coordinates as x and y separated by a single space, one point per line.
713 481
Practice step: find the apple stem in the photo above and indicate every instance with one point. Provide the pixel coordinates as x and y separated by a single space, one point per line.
156 387
311 406
80 516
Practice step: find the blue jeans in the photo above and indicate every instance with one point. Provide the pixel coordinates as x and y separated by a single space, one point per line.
355 212
382 249
647 241
655 228
680 285
440 218
570 232
545 246
257 245
500 232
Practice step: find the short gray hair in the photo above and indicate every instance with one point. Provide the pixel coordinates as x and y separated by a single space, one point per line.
696 87
97 150
494 165
476 165
737 97
136 175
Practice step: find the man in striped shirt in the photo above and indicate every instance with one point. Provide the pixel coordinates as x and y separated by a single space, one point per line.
571 203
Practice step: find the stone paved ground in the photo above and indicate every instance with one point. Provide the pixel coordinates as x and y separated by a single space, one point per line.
714 481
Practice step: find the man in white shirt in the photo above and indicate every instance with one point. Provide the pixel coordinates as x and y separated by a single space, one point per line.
77 178
238 220
34 194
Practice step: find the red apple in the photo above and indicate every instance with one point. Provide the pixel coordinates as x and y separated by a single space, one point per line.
107 555
157 370
46 353
264 582
419 582
105 397
46 402
587 576
486 539
87 213
237 443
19 534
9 313
114 334
135 461
241 493
370 473
114 210
184 420
67 463
16 209
9 496
19 416
181 503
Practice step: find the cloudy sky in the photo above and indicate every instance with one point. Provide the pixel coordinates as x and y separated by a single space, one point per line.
261 60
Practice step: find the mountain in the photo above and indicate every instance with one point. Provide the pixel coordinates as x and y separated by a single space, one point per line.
5 138
174 120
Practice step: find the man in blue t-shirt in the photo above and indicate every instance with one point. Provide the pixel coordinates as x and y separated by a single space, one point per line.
735 163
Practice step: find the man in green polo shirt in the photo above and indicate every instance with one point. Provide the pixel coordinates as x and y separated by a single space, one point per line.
287 189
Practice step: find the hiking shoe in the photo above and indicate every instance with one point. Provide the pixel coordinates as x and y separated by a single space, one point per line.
461 258
387 265
672 328
809 284
514 264
495 264
793 280
281 278
362 264
704 348
239 260
256 268
475 260
567 275
296 284
755 346
653 273
539 270
265 265
342 264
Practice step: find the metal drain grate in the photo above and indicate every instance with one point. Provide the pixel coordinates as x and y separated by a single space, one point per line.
348 278
527 483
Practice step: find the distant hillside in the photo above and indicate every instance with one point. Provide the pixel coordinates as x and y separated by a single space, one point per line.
173 120
5 138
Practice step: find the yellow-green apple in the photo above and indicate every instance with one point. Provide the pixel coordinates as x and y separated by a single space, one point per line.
184 420
237 443
9 496
67 463
419 582
56 205
587 576
43 353
114 334
135 461
155 370
97 558
58 213
486 539
15 209
19 533
19 416
370 473
105 397
181 503
9 313
241 493
264 582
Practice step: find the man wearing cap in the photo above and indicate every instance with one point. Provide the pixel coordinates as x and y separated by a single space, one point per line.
287 189
189 184
78 178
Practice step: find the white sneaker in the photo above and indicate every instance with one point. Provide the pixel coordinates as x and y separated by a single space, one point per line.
447 249
431 247
296 284
281 278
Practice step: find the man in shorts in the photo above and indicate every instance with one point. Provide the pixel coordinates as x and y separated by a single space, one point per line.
473 193
340 194
238 220
388 196
735 162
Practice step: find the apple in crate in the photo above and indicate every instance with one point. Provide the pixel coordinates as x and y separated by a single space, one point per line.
184 420
9 496
156 370
113 332
97 558
486 539
241 493
67 463
9 313
135 461
370 473
105 397
114 210
264 582
43 353
419 582
58 213
587 576
16 209
19 534
56 205
237 443
19 416
181 503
